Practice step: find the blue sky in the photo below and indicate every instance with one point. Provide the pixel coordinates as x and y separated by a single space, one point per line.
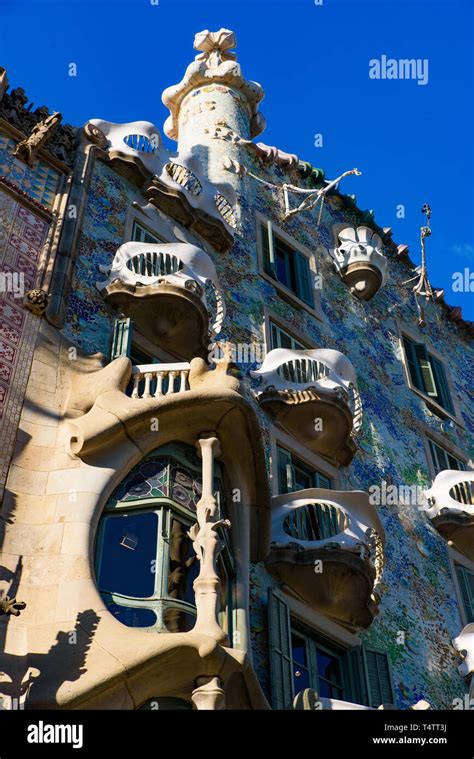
413 143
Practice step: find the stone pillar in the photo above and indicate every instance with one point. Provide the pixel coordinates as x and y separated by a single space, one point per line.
208 694
208 545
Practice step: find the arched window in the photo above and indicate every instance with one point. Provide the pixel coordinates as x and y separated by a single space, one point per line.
145 561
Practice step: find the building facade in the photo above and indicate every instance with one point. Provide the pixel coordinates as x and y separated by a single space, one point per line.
236 446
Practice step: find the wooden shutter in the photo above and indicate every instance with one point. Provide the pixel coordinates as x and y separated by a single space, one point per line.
280 650
268 252
355 680
444 396
426 369
303 278
466 584
286 474
379 679
121 338
413 365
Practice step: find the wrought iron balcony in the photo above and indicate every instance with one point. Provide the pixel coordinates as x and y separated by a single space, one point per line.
313 395
451 508
171 292
360 261
327 546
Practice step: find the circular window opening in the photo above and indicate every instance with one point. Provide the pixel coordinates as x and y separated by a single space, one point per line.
142 143
463 493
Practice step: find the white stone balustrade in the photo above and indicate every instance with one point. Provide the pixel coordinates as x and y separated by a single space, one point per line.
156 380
452 492
179 264
360 528
323 369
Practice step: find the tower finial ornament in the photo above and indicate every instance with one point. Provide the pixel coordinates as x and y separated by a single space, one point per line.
214 64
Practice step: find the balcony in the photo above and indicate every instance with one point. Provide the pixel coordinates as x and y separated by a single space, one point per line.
171 292
464 645
327 547
451 508
313 396
157 380
360 262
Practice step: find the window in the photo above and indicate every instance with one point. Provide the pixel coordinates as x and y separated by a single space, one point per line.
294 474
427 373
442 459
279 338
145 561
287 265
303 659
141 234
466 585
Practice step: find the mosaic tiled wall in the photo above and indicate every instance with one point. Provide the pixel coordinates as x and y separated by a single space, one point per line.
417 590
40 182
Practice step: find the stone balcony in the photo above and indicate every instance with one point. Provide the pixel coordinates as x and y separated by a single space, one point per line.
464 645
171 292
157 380
360 262
313 396
451 508
327 547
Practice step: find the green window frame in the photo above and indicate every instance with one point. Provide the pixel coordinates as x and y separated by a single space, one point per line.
160 602
292 472
287 265
142 234
364 673
280 338
427 373
466 585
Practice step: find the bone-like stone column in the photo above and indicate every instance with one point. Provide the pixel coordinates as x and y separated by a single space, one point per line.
207 544
208 694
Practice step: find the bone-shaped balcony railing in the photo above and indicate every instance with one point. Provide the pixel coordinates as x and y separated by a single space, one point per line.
180 264
315 518
452 492
157 380
324 369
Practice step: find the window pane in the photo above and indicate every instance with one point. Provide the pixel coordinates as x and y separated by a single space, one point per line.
328 667
298 646
183 564
281 267
132 617
128 554
301 679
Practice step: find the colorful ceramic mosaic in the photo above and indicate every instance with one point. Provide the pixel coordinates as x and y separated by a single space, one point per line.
40 182
418 595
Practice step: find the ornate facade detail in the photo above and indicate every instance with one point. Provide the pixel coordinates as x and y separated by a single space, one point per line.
10 606
215 64
162 286
343 532
451 508
464 645
3 81
313 395
95 135
36 301
360 261
27 149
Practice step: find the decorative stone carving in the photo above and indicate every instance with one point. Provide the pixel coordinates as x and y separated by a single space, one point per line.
216 63
162 286
3 81
95 135
11 606
208 694
313 395
352 556
360 261
27 149
451 508
36 301
208 544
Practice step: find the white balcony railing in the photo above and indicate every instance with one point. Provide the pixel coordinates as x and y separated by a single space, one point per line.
180 264
315 518
464 644
157 380
452 492
323 369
